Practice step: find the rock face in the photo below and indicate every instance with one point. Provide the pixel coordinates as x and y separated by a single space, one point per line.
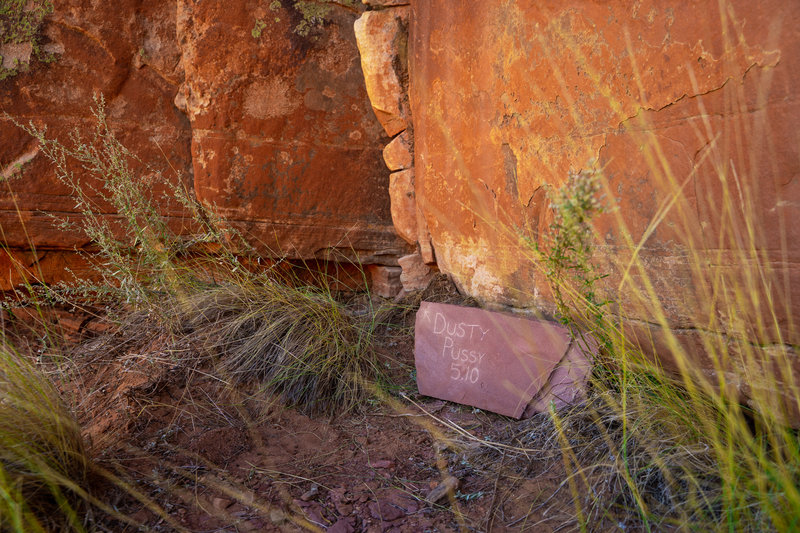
692 120
383 42
283 139
126 51
272 128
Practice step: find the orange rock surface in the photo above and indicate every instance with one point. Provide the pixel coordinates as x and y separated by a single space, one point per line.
125 51
274 131
284 142
690 110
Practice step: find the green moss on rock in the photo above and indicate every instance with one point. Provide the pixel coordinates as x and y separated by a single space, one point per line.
21 24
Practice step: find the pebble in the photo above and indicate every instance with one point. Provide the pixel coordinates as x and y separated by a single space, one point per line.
382 463
343 525
385 511
310 493
277 517
220 504
448 485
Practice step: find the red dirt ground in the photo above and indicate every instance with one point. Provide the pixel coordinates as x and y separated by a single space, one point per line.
217 459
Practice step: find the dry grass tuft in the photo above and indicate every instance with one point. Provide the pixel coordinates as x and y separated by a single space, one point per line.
314 352
646 476
44 465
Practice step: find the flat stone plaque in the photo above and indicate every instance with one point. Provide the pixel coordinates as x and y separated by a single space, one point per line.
488 360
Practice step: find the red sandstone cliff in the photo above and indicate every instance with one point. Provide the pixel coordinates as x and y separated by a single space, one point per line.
271 127
433 142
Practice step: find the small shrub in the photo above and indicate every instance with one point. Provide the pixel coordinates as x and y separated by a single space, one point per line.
312 13
258 28
137 256
135 247
566 255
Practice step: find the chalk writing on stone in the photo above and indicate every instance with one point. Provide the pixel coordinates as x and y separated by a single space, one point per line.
488 360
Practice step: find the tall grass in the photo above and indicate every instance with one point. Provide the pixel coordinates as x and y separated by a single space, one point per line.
44 465
687 427
688 424
49 480
663 441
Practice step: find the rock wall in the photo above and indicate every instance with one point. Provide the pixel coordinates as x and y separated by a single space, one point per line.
126 51
435 145
271 128
689 109
283 139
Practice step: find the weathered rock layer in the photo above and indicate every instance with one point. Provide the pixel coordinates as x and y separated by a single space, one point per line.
283 140
271 128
